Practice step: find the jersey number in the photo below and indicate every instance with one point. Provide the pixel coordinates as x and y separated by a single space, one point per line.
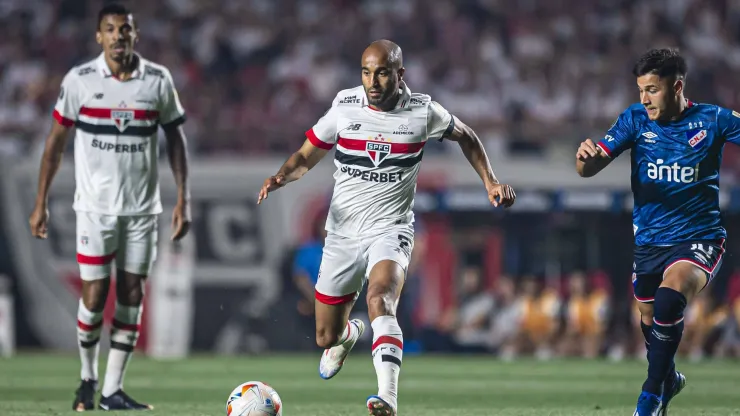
701 253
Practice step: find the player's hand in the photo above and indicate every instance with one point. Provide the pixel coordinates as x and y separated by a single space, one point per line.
39 221
501 195
181 221
271 184
587 150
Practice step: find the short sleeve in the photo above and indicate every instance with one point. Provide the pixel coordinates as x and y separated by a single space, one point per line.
68 104
728 124
439 122
324 133
620 135
171 112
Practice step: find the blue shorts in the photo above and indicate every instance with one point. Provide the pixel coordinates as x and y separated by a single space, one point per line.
651 263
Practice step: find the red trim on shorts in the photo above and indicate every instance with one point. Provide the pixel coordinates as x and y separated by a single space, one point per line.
124 326
107 113
89 327
334 300
386 339
644 300
64 121
314 139
95 260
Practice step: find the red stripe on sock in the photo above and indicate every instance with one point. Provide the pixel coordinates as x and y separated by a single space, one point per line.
124 326
89 327
386 339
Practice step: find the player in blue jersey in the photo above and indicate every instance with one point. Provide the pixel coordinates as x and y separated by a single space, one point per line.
676 149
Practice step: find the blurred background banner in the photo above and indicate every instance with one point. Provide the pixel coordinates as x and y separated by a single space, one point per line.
552 276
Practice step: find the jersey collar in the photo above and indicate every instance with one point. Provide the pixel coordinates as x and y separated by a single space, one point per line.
105 71
403 100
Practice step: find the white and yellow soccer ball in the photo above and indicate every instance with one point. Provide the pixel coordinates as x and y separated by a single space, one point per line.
254 398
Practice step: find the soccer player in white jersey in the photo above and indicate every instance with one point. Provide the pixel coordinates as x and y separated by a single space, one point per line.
379 129
116 102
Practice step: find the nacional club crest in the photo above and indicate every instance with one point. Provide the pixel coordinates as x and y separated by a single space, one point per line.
697 138
377 152
121 117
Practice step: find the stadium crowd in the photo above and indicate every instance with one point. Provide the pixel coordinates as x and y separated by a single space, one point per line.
254 74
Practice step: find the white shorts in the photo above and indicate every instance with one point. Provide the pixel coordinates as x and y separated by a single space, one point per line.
129 240
346 262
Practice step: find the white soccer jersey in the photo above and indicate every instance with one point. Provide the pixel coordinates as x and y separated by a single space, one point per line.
377 157
116 152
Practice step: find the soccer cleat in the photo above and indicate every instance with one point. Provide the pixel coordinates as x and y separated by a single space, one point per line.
85 396
648 404
334 357
669 392
379 407
121 401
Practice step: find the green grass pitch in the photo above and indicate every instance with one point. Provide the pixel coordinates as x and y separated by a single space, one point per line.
430 385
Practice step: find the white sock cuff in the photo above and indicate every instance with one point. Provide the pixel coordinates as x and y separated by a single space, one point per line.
88 316
386 325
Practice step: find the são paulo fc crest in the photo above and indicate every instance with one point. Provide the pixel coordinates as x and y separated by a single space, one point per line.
377 152
122 118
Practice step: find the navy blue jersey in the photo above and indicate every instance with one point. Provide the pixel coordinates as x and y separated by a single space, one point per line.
675 171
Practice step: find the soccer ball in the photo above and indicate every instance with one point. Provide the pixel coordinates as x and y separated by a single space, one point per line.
254 398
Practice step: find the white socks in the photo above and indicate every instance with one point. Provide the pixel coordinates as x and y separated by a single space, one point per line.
124 334
89 325
387 356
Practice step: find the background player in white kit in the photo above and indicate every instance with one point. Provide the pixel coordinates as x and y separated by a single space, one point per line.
380 130
116 102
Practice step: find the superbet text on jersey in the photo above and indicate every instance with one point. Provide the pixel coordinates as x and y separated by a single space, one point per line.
116 138
377 157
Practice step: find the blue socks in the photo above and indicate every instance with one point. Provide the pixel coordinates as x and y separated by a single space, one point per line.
665 336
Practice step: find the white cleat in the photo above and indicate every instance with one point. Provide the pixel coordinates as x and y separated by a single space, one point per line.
334 357
379 407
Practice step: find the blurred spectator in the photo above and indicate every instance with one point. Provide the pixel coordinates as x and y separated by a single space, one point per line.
586 317
505 318
540 318
255 74
704 319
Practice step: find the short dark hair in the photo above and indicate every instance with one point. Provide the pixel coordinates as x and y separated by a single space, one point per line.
115 9
666 62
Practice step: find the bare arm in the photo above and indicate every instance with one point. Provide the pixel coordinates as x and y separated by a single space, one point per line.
473 150
50 162
177 151
178 155
56 142
590 159
297 165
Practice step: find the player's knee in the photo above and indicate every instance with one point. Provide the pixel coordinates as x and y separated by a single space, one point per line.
685 278
646 313
130 288
326 337
380 303
669 306
95 293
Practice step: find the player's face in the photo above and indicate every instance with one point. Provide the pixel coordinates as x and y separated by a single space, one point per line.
660 96
117 35
380 80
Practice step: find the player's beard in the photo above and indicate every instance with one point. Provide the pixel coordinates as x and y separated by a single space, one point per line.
386 96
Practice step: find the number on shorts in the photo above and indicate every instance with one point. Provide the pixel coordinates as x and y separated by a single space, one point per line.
702 254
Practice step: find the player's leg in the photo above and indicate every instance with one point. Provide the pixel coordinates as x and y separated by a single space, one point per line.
96 248
388 259
134 261
340 279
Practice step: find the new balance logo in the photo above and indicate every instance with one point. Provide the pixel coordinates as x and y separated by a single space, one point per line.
354 126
